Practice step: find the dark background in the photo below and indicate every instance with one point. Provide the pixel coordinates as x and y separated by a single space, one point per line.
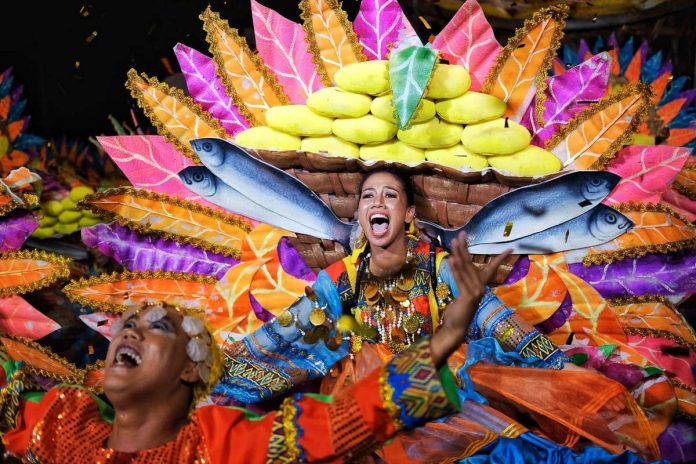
42 41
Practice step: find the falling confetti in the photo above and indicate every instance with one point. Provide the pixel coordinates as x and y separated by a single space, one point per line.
91 37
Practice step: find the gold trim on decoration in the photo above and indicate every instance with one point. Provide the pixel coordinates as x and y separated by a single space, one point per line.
640 299
234 221
556 12
61 271
210 18
679 384
114 277
30 199
683 190
288 412
647 332
387 393
313 48
642 111
180 96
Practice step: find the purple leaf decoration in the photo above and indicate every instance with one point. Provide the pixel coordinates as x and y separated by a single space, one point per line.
678 442
558 318
583 50
15 228
206 88
568 94
670 275
292 261
146 253
377 25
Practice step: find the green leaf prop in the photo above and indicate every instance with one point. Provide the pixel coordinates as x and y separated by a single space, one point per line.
409 73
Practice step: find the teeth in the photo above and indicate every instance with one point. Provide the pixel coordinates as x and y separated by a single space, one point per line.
128 355
378 216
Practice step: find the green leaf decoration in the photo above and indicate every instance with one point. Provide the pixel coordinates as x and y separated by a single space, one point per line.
409 73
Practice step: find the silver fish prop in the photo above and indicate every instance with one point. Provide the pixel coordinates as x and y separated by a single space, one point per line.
277 192
532 209
599 225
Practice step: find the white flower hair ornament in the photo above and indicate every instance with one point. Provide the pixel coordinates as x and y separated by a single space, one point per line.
199 347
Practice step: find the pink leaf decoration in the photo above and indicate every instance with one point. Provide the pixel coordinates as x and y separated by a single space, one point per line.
378 24
679 202
150 162
568 94
99 322
281 44
646 172
19 318
468 40
652 349
207 90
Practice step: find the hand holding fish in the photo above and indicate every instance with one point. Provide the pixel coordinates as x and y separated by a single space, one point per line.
471 283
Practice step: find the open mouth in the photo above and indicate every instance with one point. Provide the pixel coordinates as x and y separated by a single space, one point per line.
127 357
379 223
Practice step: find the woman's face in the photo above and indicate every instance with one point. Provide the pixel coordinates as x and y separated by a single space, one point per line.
383 209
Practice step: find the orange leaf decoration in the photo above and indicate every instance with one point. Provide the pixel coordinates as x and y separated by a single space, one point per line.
658 229
114 292
4 107
275 289
669 111
330 36
653 315
15 128
592 138
41 361
262 241
686 397
170 218
26 271
177 117
521 68
252 87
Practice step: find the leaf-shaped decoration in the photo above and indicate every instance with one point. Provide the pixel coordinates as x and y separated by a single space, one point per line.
275 289
678 441
20 177
468 40
26 271
521 68
377 26
19 318
147 253
681 136
207 90
15 229
592 138
539 294
149 162
281 44
686 398
646 172
410 70
653 314
652 348
568 94
262 242
246 79
658 229
170 218
330 36
41 360
112 292
680 202
99 322
671 276
178 118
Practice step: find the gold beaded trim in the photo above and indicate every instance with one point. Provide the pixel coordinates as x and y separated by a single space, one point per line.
74 286
638 299
88 204
30 199
646 332
187 101
387 393
61 270
683 190
679 384
288 412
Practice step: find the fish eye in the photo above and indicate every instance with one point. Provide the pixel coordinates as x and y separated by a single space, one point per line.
197 177
595 181
611 218
207 146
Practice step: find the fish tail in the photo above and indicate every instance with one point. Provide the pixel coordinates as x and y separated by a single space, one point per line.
438 233
344 235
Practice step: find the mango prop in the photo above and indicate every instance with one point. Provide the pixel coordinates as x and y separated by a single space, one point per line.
448 81
78 193
66 229
88 221
333 102
298 120
457 157
331 146
47 221
471 108
365 130
370 77
69 217
532 161
498 137
431 134
383 108
68 204
43 232
392 151
52 208
265 138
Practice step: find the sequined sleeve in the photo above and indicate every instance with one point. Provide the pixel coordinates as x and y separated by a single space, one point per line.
494 319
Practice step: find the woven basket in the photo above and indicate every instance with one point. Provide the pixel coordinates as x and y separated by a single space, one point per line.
443 195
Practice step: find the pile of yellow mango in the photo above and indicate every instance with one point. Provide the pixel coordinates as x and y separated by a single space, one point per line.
62 217
452 126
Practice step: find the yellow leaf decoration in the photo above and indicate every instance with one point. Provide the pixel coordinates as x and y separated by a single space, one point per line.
521 68
252 87
171 218
262 241
177 117
112 292
332 41
26 271
592 138
275 289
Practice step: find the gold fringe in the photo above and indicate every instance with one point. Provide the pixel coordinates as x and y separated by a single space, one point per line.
30 199
587 113
211 20
679 384
313 48
609 257
387 393
288 412
556 12
639 299
61 271
631 207
86 204
646 332
683 190
71 288
187 101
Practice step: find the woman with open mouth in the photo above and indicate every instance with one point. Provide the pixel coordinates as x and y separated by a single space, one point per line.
162 360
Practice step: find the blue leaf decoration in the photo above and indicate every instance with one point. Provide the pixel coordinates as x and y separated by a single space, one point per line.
5 86
598 46
16 110
625 54
675 87
651 67
26 141
570 58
